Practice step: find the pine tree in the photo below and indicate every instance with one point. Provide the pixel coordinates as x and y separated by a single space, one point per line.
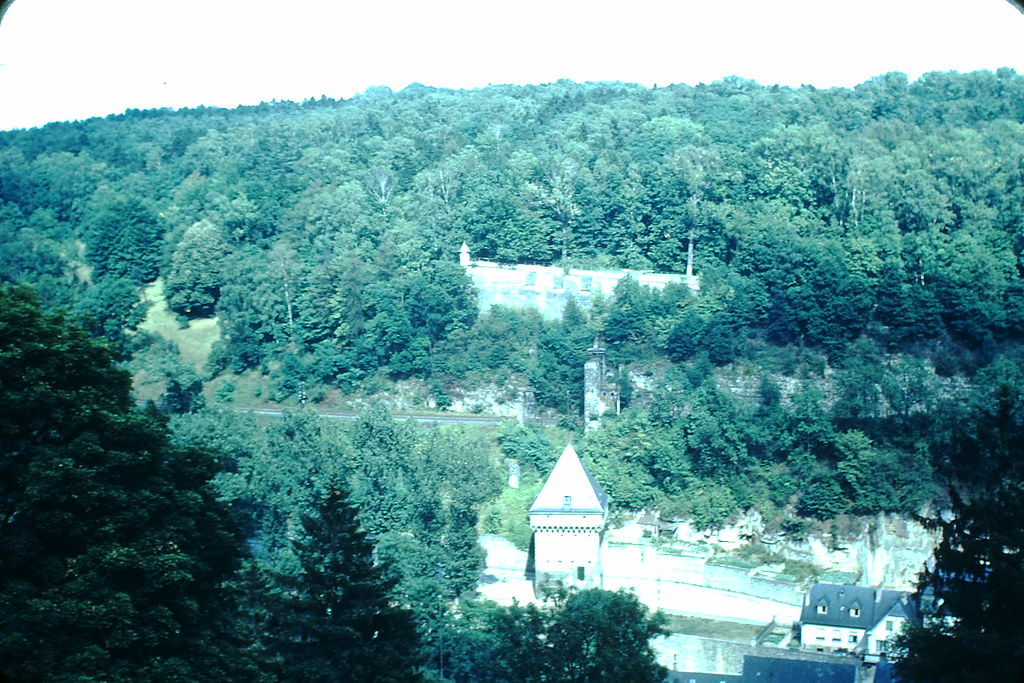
334 620
977 582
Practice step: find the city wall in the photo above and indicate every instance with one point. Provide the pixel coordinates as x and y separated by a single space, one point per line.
549 288
687 583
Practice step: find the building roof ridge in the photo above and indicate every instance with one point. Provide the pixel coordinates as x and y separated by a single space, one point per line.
570 488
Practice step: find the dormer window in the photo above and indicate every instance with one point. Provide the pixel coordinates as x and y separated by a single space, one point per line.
855 611
822 608
567 501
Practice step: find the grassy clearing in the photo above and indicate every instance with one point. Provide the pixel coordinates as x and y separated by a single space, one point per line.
247 389
194 342
712 628
507 516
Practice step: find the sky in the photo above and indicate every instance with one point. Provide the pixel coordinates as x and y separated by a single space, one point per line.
71 59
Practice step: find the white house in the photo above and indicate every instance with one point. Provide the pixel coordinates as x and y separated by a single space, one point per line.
858 619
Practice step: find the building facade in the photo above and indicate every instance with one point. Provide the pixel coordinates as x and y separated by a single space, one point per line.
858 619
568 519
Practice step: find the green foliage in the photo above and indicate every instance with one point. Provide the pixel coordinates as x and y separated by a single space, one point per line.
854 238
419 492
335 620
194 277
429 486
977 582
113 545
886 210
591 635
853 246
125 238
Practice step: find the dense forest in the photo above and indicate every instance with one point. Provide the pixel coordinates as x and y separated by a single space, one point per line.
858 250
866 240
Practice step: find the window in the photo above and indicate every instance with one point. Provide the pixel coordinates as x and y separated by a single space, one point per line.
852 638
855 612
567 501
822 608
581 573
888 625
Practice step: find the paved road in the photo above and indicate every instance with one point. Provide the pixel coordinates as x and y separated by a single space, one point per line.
422 418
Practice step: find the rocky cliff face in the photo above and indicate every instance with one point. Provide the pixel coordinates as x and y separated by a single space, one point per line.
884 550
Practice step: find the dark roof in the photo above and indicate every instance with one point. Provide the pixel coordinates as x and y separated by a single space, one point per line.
885 672
774 670
757 669
854 606
690 677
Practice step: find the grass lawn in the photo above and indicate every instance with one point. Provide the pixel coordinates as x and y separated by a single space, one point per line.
508 515
712 628
194 342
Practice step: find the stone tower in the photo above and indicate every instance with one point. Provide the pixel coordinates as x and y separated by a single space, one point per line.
599 395
568 520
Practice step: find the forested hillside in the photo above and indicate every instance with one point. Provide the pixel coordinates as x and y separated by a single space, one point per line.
858 252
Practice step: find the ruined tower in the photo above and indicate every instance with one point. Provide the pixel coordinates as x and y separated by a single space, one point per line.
599 394
568 520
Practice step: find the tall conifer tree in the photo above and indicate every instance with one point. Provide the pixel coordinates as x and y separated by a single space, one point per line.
977 582
335 619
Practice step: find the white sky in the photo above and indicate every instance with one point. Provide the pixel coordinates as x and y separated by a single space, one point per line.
69 59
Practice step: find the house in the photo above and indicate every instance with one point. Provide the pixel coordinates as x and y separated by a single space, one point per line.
568 519
857 619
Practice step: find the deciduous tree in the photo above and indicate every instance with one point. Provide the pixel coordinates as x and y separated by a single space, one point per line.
113 544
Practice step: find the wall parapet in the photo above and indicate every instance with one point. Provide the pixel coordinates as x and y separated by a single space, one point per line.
548 288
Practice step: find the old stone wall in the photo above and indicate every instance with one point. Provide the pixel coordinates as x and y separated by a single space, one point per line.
548 288
885 550
686 583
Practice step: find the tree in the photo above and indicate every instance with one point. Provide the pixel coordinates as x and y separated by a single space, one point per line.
194 279
335 620
113 544
974 633
601 636
125 240
588 636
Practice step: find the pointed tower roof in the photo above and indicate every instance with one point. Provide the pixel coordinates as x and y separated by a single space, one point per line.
570 488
